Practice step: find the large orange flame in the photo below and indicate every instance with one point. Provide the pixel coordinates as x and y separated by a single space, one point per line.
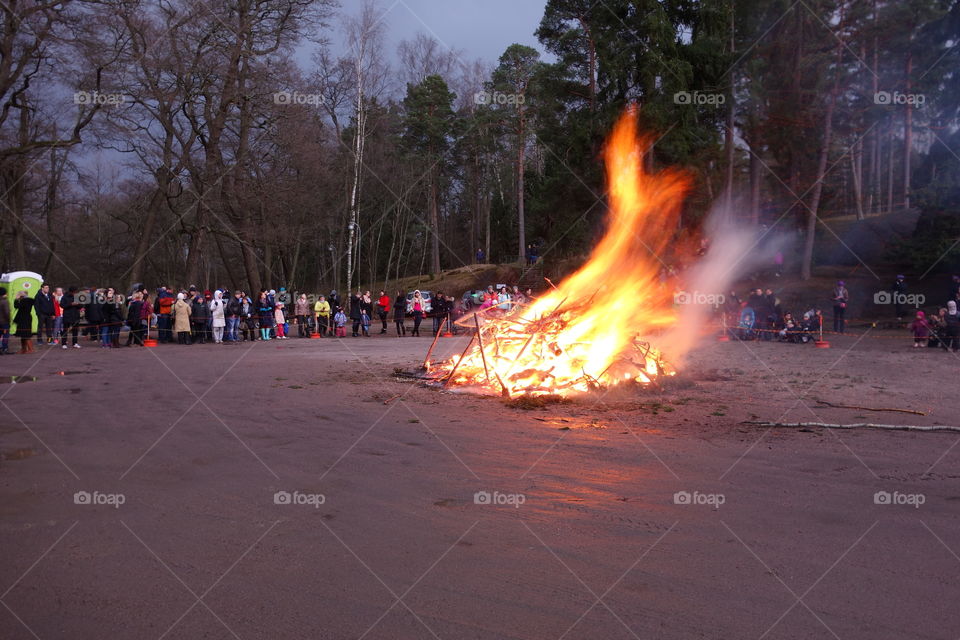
588 332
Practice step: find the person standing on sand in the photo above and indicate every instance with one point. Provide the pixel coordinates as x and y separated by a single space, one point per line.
134 309
400 312
24 321
217 317
57 315
280 319
416 309
301 309
340 321
366 312
952 320
355 312
334 300
899 294
164 308
840 299
113 318
43 306
5 322
322 310
233 312
438 306
146 314
181 318
265 312
920 329
199 312
383 308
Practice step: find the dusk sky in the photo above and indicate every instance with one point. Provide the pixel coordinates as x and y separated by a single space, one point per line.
480 28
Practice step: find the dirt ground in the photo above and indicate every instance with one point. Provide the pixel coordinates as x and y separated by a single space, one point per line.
297 489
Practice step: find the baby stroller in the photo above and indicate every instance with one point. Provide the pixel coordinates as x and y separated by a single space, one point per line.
745 328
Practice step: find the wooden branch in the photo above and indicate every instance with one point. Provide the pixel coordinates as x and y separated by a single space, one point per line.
853 406
483 355
462 355
858 425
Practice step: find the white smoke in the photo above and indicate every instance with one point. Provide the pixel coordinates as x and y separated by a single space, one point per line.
734 250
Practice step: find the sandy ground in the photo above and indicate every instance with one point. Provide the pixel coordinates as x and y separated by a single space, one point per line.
584 540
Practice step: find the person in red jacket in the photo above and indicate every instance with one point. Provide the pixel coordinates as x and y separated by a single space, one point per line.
383 307
57 315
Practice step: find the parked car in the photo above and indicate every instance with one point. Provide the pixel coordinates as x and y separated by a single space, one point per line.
427 301
472 298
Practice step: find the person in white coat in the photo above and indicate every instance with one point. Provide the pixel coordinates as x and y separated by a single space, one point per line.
217 317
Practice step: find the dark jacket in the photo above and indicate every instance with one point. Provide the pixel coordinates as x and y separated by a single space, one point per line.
133 313
4 312
112 313
355 307
199 310
43 303
234 308
265 311
94 312
71 310
24 317
399 308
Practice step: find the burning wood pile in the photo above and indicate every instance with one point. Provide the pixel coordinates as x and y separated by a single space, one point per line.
589 331
514 355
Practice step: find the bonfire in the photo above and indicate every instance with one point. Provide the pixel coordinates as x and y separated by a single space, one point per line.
594 329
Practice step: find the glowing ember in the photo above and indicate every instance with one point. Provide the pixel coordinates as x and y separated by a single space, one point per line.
587 332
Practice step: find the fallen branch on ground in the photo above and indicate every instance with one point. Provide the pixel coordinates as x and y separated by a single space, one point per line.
858 425
853 406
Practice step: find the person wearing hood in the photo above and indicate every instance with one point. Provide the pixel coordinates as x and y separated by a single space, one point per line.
952 320
417 307
334 300
217 316
340 322
840 299
24 321
181 318
5 323
921 330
